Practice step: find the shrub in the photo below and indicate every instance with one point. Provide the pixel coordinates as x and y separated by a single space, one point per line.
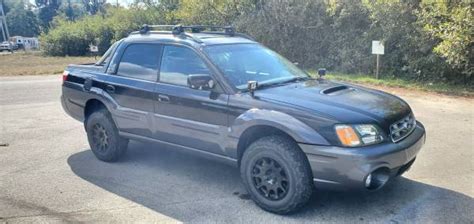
423 40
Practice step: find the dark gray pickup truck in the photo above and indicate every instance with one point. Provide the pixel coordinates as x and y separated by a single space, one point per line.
224 96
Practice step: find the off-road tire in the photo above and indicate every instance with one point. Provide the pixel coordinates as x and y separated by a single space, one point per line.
116 147
292 160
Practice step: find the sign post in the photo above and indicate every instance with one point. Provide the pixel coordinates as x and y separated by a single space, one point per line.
94 50
377 49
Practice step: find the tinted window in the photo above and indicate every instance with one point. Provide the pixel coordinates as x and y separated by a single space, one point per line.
107 55
140 61
179 62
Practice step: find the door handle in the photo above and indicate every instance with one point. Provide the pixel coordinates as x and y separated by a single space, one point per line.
163 98
110 88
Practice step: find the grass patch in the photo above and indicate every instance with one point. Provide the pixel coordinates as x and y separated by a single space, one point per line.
443 88
34 63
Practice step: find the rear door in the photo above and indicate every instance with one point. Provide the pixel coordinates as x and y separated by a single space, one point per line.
132 85
194 118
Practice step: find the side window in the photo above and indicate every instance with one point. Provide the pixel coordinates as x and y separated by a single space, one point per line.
140 61
178 63
107 55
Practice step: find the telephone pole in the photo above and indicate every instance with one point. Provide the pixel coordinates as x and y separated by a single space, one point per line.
3 24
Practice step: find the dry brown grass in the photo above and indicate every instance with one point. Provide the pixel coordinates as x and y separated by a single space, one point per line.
33 63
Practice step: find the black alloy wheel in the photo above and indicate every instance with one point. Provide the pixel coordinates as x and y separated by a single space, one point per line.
100 138
270 179
104 139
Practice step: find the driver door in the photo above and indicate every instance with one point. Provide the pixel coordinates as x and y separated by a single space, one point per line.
185 116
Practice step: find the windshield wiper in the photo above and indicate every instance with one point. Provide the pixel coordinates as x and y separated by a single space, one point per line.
294 79
297 79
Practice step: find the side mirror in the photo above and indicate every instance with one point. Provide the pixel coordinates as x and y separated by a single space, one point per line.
252 86
200 81
321 72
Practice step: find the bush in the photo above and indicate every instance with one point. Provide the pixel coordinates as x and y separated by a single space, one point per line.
423 41
74 38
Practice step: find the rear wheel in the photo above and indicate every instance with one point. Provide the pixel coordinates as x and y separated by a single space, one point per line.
103 137
277 175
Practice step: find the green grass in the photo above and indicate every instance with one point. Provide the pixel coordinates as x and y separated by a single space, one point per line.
443 88
33 63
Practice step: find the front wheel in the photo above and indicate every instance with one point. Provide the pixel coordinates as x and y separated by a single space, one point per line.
276 174
103 137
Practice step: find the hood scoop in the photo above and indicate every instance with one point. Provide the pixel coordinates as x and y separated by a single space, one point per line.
337 90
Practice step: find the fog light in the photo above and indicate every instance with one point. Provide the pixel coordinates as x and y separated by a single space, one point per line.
377 179
368 180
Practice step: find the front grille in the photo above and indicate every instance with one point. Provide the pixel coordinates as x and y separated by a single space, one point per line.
402 128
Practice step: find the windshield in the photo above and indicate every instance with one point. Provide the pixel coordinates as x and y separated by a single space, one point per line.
241 63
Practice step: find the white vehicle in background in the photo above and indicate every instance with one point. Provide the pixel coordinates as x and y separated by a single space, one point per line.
26 43
7 46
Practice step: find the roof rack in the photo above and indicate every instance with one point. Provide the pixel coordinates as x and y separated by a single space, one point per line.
180 30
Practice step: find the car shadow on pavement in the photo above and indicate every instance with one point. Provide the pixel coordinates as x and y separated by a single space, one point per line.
190 188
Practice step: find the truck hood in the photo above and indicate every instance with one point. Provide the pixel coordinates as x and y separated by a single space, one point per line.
342 102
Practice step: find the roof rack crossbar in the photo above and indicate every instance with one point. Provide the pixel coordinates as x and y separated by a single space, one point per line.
179 29
235 34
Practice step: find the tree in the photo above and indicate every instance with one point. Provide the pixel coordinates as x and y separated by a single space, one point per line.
21 21
452 26
52 3
298 29
217 12
350 53
47 11
71 10
94 6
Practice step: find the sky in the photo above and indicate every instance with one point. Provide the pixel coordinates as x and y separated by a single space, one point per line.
121 2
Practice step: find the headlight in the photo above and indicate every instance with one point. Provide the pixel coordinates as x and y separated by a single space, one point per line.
358 135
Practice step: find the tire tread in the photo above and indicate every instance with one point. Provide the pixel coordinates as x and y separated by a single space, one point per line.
290 151
120 143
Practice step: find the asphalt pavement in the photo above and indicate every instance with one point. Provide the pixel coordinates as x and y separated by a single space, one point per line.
48 173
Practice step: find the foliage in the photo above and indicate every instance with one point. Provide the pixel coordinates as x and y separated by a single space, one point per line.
7 4
424 40
350 53
71 10
45 3
93 6
298 30
73 38
21 21
218 12
47 11
452 25
45 16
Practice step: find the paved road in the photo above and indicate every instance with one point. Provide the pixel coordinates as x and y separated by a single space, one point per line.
48 173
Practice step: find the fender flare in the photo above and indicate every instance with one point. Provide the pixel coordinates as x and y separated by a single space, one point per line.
103 97
299 131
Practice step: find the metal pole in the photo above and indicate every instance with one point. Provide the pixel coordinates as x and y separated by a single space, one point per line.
377 71
3 32
4 23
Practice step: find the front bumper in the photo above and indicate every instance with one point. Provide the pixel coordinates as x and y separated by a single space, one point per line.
347 168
